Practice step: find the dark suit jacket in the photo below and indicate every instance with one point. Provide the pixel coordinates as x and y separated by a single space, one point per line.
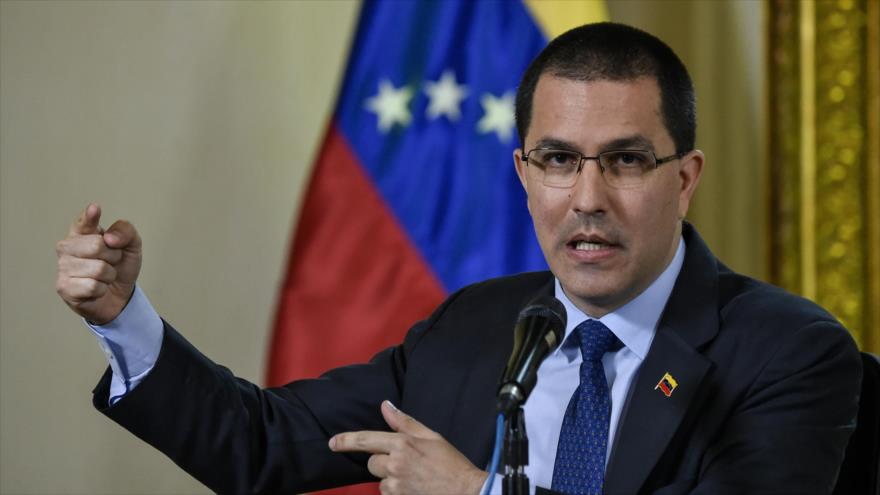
766 398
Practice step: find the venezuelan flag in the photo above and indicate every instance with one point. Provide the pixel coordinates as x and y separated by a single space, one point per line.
414 193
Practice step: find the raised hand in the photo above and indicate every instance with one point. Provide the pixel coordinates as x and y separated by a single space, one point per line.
97 269
413 459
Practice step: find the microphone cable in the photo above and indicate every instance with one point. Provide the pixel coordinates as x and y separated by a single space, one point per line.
496 453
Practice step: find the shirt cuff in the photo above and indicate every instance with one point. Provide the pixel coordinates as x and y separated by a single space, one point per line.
131 343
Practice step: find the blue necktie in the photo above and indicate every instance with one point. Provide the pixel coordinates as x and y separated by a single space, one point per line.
583 440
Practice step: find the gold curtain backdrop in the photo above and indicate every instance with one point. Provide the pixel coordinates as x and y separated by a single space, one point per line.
822 157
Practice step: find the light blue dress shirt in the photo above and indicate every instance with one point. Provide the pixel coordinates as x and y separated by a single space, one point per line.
132 342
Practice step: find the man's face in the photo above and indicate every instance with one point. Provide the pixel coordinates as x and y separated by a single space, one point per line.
605 245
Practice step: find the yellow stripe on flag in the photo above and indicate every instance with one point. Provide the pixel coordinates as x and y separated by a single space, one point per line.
555 17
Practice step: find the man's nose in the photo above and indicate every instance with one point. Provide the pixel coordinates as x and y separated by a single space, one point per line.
589 195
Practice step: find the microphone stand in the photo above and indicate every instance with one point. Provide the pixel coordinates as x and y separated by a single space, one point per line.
515 454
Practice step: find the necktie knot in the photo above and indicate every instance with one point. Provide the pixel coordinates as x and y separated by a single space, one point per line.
595 339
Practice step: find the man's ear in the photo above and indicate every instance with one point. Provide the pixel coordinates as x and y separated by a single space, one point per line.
690 172
520 165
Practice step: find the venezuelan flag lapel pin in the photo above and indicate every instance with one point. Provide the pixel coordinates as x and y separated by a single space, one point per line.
666 384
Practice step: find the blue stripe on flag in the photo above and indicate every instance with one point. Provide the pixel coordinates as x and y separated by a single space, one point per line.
450 183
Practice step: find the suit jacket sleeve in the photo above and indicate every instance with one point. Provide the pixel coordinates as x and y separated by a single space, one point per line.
237 438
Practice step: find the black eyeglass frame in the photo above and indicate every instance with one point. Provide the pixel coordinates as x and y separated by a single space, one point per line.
584 158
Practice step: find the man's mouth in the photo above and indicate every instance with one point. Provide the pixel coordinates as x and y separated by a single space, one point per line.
592 248
589 246
591 242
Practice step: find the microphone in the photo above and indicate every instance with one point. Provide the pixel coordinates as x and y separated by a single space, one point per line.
539 329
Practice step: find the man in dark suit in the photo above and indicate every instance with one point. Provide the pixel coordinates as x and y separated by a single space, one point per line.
716 383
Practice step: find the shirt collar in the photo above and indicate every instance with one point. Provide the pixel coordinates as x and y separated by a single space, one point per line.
634 323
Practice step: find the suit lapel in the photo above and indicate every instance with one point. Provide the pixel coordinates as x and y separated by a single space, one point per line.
652 416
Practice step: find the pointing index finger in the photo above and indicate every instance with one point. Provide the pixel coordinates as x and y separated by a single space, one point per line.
88 221
404 423
374 442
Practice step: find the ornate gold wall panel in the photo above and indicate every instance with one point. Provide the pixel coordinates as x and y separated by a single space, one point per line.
823 158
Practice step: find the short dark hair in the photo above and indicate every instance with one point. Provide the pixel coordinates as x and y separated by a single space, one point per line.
615 52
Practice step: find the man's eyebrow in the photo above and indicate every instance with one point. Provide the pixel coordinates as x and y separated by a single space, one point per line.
634 142
556 144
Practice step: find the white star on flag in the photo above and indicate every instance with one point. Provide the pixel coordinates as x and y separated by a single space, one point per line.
390 105
498 115
445 96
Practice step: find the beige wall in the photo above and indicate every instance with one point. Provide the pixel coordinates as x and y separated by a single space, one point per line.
198 122
722 44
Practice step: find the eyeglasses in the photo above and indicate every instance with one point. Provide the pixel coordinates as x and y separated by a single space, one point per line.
620 168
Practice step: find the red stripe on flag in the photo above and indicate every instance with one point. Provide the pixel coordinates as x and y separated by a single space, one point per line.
355 283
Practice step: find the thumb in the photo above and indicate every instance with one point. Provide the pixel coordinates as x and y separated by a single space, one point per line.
404 423
122 235
88 221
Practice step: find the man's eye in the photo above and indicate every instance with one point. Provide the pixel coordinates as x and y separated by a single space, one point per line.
559 159
626 159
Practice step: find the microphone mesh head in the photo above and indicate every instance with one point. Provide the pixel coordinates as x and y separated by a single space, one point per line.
548 307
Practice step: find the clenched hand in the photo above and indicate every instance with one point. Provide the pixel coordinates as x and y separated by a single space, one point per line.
413 459
97 269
